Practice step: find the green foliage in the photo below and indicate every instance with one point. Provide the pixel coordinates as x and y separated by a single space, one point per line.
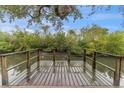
5 47
92 38
4 36
48 42
72 42
115 43
60 41
54 14
36 13
95 37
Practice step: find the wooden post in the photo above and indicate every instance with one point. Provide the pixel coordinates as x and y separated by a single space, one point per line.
38 59
28 66
54 61
117 73
4 71
94 65
84 60
68 60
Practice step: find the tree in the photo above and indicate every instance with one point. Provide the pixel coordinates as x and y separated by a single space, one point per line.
60 43
48 42
115 44
24 40
4 36
5 44
35 40
92 38
72 42
39 13
95 37
71 32
6 47
45 29
55 14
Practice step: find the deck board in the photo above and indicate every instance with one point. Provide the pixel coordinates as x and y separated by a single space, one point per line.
80 77
47 76
66 76
35 81
63 75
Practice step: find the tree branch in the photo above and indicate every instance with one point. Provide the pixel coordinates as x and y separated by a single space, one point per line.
39 11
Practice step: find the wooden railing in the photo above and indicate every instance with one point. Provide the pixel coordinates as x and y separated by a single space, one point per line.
27 61
116 70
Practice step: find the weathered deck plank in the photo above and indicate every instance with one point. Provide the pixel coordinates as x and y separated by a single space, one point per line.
66 76
75 77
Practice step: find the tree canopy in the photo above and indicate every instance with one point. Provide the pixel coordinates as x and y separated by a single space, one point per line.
55 14
93 38
38 13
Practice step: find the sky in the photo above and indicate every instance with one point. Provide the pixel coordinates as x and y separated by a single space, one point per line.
111 20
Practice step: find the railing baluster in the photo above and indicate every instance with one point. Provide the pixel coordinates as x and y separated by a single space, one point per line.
84 60
117 73
28 66
94 65
4 71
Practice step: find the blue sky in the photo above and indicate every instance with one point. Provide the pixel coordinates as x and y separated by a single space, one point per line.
111 20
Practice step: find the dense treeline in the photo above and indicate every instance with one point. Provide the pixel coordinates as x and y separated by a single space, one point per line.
92 38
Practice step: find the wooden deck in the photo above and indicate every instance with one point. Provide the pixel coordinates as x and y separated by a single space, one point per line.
62 75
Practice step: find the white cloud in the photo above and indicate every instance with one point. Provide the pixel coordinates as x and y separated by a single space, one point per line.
7 28
29 30
103 16
10 27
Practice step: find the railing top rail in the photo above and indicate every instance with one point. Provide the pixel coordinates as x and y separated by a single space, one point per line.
8 54
109 54
104 65
13 53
